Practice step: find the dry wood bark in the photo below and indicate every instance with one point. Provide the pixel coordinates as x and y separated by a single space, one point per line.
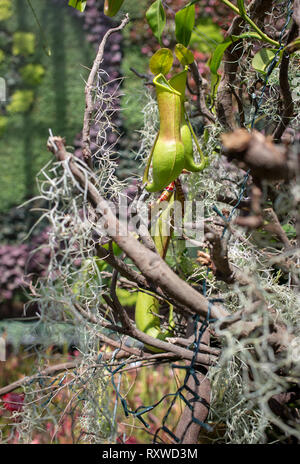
252 150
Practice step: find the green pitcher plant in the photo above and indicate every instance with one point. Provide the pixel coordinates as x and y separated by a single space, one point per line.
147 306
147 320
173 148
167 154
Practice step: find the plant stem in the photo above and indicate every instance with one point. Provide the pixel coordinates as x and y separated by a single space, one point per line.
252 24
202 157
232 6
261 33
44 39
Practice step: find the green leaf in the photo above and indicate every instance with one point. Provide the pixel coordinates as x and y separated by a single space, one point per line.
241 7
217 56
111 7
6 10
78 4
290 231
156 18
184 24
184 55
161 61
32 74
262 59
206 35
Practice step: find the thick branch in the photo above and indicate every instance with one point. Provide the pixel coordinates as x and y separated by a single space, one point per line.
296 12
257 152
285 91
149 263
232 55
187 429
224 106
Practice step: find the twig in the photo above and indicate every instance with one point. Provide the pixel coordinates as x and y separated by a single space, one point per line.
146 78
122 267
240 106
201 105
255 219
48 371
257 10
89 104
275 227
120 311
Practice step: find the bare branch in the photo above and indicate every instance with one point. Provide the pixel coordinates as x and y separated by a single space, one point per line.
89 104
201 105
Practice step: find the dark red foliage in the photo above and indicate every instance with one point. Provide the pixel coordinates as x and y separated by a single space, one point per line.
13 401
18 261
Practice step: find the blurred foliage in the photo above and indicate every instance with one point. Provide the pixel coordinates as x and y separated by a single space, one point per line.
22 364
23 43
15 223
21 101
56 84
290 231
27 334
206 35
21 264
6 10
150 385
133 101
3 124
32 74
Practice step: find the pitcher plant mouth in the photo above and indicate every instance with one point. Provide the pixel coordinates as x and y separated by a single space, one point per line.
178 83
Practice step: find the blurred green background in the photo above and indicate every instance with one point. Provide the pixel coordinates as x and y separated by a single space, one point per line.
44 91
